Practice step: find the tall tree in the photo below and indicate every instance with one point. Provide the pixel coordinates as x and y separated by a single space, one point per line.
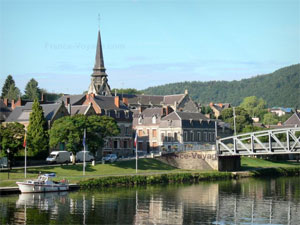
69 131
242 118
270 119
253 105
32 90
12 136
8 82
13 92
37 135
9 89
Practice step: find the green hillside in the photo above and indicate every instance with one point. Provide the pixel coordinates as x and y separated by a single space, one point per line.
280 88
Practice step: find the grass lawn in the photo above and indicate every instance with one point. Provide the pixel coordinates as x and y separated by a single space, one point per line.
249 163
74 172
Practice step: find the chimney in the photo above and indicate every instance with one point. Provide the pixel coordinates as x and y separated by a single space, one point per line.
117 101
68 105
221 105
279 123
5 101
125 101
19 102
93 95
42 97
13 104
186 92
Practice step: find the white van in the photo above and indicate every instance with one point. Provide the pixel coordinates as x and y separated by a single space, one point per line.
88 156
59 157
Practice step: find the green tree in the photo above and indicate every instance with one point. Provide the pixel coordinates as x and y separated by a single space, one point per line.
270 119
32 90
37 135
242 118
69 131
13 92
253 105
12 137
8 82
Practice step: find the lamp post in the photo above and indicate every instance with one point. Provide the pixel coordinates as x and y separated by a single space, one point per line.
8 163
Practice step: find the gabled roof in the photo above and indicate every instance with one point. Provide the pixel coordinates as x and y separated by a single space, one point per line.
294 120
145 99
79 109
171 99
108 103
22 113
193 116
74 99
4 111
149 112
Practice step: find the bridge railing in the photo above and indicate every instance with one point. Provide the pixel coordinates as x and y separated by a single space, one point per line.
251 143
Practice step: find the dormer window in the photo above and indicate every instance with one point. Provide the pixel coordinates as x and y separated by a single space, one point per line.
140 120
154 119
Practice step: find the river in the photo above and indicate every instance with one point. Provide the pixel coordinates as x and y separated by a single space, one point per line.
245 201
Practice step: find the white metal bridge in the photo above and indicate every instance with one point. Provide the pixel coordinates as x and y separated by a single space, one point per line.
267 142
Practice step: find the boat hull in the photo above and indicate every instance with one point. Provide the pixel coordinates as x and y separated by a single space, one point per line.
36 188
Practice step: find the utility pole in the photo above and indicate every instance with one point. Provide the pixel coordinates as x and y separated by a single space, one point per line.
234 123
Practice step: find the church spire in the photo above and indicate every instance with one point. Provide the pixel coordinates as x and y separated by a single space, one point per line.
99 84
99 69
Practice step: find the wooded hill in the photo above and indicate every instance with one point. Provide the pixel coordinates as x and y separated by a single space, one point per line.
280 88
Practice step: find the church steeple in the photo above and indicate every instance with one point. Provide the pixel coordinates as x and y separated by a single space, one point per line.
99 85
99 69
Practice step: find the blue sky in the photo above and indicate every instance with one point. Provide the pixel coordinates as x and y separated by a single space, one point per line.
145 43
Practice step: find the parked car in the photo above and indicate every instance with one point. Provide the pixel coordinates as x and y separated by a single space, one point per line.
110 158
88 156
59 157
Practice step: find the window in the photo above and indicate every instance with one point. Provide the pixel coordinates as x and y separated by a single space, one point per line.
175 137
169 137
140 133
192 136
140 146
154 119
205 136
126 130
140 120
116 144
148 132
162 136
199 136
125 144
154 133
185 136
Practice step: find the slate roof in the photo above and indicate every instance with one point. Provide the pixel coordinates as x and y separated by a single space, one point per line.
170 99
108 103
145 99
22 113
79 109
294 120
149 112
4 111
74 99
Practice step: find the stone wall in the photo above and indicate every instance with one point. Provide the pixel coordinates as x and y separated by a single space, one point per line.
201 160
192 160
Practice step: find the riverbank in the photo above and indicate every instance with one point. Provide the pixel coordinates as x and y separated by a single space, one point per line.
150 171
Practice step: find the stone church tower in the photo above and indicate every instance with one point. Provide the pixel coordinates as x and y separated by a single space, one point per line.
99 85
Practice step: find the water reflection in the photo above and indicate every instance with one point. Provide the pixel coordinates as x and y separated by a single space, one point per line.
275 201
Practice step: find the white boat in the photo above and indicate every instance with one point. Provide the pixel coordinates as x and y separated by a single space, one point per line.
44 183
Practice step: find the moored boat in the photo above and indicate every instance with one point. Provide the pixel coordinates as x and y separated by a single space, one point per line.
44 183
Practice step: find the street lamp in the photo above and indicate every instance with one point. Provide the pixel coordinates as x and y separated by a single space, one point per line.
8 163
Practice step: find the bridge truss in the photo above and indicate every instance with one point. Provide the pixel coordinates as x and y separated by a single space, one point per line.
267 142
